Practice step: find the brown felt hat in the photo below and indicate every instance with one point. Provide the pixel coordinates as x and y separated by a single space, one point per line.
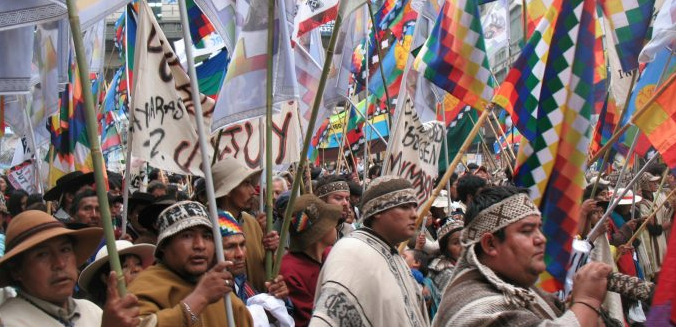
33 227
311 219
70 182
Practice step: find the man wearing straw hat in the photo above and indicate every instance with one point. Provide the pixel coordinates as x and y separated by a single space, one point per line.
186 287
41 262
364 281
234 188
503 255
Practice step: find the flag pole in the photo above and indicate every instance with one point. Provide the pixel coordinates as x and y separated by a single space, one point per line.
365 163
380 61
425 208
373 128
483 142
97 155
502 133
202 137
633 119
36 151
268 134
127 163
308 137
445 147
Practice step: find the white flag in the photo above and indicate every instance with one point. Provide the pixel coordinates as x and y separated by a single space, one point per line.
163 119
16 51
243 95
18 13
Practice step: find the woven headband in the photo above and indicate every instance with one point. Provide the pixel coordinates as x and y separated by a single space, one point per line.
498 216
329 188
388 201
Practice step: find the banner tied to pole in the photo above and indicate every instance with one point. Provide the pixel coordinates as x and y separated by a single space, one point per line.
22 177
415 150
163 116
242 140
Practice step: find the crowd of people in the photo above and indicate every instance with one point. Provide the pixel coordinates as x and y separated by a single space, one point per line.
475 260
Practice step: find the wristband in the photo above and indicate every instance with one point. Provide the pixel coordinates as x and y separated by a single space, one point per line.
193 317
588 306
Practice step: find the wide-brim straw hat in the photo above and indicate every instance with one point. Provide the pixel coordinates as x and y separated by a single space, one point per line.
229 173
312 219
69 182
628 198
33 227
143 251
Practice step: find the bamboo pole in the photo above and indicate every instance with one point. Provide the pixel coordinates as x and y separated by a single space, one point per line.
208 177
308 136
483 142
644 224
380 61
502 133
268 135
425 208
633 119
97 155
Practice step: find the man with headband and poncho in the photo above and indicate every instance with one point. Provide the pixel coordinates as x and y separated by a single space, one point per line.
503 255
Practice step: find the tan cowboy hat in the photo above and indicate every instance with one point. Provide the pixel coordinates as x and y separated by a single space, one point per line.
33 227
143 251
229 173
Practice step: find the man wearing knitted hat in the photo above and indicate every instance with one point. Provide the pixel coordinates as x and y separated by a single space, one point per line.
335 189
503 256
186 287
313 231
364 280
259 304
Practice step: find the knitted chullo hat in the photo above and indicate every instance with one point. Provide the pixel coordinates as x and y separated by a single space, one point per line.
311 219
228 224
386 192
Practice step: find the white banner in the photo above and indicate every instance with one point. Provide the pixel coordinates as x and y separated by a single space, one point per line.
22 177
163 120
242 140
414 153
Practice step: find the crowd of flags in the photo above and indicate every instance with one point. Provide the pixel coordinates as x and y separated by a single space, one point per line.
565 94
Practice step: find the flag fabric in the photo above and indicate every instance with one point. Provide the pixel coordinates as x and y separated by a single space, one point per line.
200 26
629 21
94 41
242 96
449 111
424 94
30 12
659 123
495 26
16 73
454 56
647 83
662 310
549 95
352 33
600 70
393 66
70 144
662 31
456 133
312 14
211 72
163 116
535 11
308 58
222 15
605 126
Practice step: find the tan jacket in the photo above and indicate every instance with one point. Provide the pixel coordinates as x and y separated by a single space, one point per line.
160 292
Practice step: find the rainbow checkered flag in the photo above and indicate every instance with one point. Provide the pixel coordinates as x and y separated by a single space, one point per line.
549 93
454 56
629 21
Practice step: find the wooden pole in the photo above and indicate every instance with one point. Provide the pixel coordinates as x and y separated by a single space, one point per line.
308 136
268 134
425 208
97 155
502 133
203 141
